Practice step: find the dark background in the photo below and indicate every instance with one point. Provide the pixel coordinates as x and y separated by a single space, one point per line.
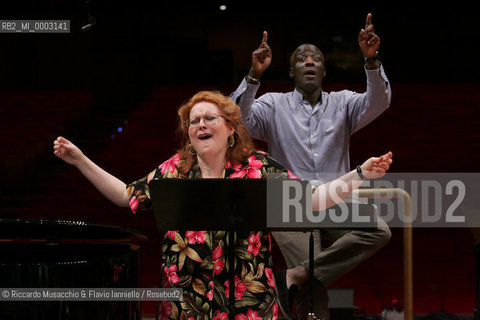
114 90
139 44
136 49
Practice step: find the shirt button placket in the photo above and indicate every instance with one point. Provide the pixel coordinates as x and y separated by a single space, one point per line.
313 144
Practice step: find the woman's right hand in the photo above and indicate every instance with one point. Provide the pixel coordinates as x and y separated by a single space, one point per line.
67 151
110 186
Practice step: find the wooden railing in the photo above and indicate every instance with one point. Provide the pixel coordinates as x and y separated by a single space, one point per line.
407 238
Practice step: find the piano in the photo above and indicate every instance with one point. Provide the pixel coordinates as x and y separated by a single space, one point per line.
68 254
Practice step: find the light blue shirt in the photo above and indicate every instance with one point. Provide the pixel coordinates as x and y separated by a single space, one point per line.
312 142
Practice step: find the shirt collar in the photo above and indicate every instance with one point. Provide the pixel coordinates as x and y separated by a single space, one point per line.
298 97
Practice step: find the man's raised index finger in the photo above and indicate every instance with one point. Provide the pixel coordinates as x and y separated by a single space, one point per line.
265 36
369 20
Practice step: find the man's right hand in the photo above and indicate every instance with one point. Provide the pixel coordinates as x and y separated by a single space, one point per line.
261 58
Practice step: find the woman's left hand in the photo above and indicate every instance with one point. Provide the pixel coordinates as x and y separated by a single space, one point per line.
376 167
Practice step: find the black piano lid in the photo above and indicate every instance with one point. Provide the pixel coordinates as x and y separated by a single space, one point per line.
64 231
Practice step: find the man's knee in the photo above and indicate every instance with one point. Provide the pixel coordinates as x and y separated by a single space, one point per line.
383 235
377 239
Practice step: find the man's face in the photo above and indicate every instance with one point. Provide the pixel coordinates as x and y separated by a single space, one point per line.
307 67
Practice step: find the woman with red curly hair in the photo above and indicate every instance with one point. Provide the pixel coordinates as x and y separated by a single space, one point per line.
214 144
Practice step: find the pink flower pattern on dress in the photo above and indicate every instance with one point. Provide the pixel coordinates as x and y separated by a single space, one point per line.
171 234
218 266
275 311
236 166
171 273
254 244
164 310
170 165
271 280
240 288
252 170
134 204
291 175
251 315
217 253
209 294
195 236
220 315
218 263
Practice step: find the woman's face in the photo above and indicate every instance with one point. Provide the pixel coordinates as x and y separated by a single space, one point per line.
208 131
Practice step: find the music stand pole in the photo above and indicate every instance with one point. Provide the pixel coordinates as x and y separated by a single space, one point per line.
311 315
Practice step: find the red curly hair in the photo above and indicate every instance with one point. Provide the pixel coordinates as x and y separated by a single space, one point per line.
230 112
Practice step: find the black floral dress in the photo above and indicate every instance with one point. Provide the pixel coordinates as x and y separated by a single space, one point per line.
196 260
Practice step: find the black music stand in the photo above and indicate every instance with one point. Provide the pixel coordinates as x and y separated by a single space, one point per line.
210 204
222 204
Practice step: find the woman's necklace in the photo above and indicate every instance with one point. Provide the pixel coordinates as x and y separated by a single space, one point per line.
205 168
